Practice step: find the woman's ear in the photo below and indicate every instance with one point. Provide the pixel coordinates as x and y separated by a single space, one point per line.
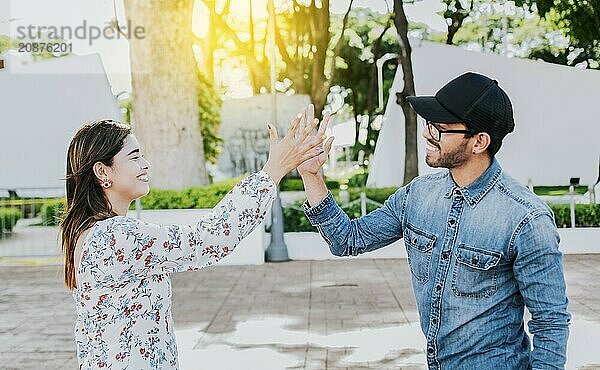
482 141
101 171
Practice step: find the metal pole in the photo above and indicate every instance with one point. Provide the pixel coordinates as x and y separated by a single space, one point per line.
572 196
363 203
380 85
277 250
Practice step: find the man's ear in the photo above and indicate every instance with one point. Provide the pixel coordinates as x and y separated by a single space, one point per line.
482 141
101 171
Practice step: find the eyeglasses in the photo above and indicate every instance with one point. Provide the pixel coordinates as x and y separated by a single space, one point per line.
435 131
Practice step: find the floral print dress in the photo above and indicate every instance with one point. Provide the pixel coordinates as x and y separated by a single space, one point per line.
123 297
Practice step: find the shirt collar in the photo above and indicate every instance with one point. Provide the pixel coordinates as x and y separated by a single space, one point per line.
476 190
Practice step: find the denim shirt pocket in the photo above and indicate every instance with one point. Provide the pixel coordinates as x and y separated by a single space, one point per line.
475 272
419 246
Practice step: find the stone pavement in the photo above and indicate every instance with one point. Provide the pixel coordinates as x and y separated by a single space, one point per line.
354 314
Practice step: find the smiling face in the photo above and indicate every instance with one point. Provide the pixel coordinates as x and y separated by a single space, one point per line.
451 151
128 173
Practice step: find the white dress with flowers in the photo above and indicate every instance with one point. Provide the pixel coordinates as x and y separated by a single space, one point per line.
123 298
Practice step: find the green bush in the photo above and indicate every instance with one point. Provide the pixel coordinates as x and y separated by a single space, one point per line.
358 180
332 184
291 184
9 218
52 212
29 207
195 197
294 220
209 103
30 211
377 194
586 215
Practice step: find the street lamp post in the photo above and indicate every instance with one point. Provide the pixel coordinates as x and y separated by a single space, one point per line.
379 63
277 250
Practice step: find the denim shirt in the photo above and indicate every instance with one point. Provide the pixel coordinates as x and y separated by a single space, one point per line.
477 255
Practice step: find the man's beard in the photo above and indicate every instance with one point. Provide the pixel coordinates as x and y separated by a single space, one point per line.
452 159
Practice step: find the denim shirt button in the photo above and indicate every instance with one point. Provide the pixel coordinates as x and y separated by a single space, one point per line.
445 255
438 287
434 321
452 221
430 350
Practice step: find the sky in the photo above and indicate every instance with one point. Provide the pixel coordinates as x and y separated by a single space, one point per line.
17 15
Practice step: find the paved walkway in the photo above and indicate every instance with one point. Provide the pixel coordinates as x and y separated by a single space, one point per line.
352 314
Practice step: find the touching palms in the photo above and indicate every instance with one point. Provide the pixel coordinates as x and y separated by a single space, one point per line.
308 123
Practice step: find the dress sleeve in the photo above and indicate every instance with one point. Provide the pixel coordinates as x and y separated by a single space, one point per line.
125 249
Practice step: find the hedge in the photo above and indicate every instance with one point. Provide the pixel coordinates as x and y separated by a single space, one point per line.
195 197
209 196
586 215
358 180
291 184
295 220
28 207
9 218
52 212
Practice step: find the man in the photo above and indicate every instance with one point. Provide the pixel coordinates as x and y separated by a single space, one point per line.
480 246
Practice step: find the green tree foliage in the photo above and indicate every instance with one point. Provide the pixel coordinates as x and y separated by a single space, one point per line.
368 36
580 21
502 27
559 31
210 118
303 37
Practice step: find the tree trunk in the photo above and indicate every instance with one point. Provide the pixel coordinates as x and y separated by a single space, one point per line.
411 166
165 85
320 30
456 16
210 46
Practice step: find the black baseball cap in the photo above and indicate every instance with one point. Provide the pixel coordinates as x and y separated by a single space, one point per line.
473 99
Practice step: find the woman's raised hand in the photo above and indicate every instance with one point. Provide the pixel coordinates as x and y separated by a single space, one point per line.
296 147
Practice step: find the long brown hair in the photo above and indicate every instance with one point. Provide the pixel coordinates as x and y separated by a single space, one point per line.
98 141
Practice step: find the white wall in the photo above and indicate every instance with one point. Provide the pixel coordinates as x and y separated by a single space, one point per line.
42 106
557 116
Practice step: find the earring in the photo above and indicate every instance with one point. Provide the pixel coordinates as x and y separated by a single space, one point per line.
106 183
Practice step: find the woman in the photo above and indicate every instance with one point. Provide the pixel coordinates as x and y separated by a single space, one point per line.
117 266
